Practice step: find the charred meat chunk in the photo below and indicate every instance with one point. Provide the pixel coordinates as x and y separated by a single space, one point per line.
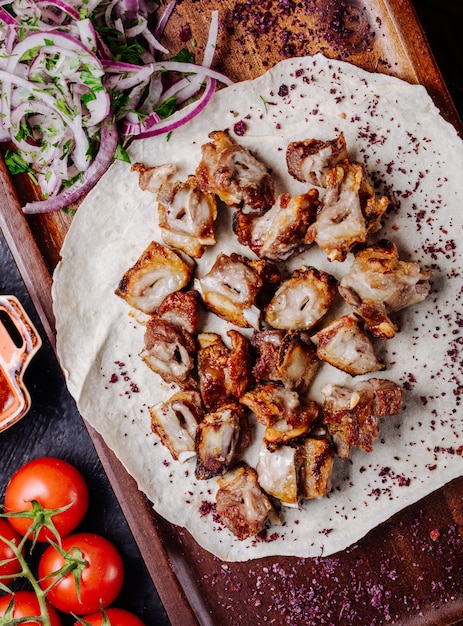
158 272
286 415
231 288
292 427
346 346
240 502
236 176
280 232
279 473
169 350
221 438
224 373
349 211
152 178
317 467
301 300
352 415
175 422
308 161
270 402
180 308
287 357
294 472
379 283
187 216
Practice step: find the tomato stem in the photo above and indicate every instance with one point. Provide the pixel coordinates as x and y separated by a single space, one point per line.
27 573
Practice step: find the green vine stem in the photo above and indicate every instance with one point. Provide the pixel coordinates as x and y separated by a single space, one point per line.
74 561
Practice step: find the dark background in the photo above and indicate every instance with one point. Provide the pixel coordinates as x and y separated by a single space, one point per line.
442 21
53 427
54 424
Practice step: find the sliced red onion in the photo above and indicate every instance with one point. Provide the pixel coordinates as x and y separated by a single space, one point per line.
164 19
88 34
108 144
63 6
153 42
71 96
7 18
133 78
134 128
134 31
184 116
211 40
191 68
40 40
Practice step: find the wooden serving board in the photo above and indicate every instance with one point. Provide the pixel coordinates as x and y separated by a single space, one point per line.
408 570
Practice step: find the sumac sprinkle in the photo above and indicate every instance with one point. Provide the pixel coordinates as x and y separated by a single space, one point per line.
185 33
240 128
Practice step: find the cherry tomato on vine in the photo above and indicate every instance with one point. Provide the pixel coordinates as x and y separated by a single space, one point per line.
101 571
114 617
53 483
9 564
27 605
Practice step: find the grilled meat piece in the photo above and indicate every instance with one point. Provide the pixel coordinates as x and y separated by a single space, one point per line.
308 161
152 178
224 373
279 233
187 216
301 300
169 350
293 472
158 272
349 211
284 413
221 438
175 422
346 346
231 288
317 468
180 308
287 357
240 502
379 283
292 427
352 415
270 402
279 473
237 177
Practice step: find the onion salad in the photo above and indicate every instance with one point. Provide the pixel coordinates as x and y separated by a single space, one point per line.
81 79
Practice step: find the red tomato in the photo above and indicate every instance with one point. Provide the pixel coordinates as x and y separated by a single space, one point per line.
27 605
12 566
101 578
115 617
54 483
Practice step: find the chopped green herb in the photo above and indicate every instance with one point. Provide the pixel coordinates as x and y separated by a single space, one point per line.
167 107
16 165
121 154
265 103
30 54
184 56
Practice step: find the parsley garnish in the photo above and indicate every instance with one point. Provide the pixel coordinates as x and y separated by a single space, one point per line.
167 107
17 165
121 154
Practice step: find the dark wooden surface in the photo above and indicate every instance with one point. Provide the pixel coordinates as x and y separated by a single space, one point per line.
407 571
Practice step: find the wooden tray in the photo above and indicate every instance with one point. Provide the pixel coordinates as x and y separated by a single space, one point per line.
407 571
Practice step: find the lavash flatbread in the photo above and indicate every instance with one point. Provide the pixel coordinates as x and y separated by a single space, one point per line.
413 156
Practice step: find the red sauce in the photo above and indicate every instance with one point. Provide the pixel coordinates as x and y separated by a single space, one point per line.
5 392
